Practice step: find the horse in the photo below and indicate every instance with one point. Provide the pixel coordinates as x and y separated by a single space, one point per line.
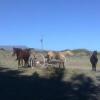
22 55
56 58
94 60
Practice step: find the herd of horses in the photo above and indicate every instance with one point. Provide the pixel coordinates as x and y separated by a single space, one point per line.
23 58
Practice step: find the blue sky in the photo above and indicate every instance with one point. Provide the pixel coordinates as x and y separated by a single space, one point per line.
65 24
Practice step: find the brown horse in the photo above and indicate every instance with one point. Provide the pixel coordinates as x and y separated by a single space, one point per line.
22 55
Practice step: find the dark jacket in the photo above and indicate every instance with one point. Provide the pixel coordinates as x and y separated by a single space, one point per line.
93 59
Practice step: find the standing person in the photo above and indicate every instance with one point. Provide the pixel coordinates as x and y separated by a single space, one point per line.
94 60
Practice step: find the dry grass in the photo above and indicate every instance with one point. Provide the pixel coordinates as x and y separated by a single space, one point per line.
75 82
74 66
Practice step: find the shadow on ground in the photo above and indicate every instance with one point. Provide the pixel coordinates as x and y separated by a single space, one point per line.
13 86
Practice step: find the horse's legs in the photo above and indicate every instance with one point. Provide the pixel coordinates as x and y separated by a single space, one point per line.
18 63
26 61
61 64
25 64
22 62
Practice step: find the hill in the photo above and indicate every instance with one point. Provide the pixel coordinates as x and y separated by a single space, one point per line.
9 48
81 52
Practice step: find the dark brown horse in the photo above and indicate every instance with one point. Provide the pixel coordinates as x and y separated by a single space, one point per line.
22 55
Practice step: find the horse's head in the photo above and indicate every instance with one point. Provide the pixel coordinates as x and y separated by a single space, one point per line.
15 51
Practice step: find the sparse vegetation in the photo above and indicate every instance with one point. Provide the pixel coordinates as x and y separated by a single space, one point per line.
76 82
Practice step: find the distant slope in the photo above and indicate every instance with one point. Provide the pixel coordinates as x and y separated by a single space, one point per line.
79 51
8 47
75 51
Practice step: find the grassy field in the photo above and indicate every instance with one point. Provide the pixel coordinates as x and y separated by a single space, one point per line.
8 60
75 82
80 63
73 64
83 61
